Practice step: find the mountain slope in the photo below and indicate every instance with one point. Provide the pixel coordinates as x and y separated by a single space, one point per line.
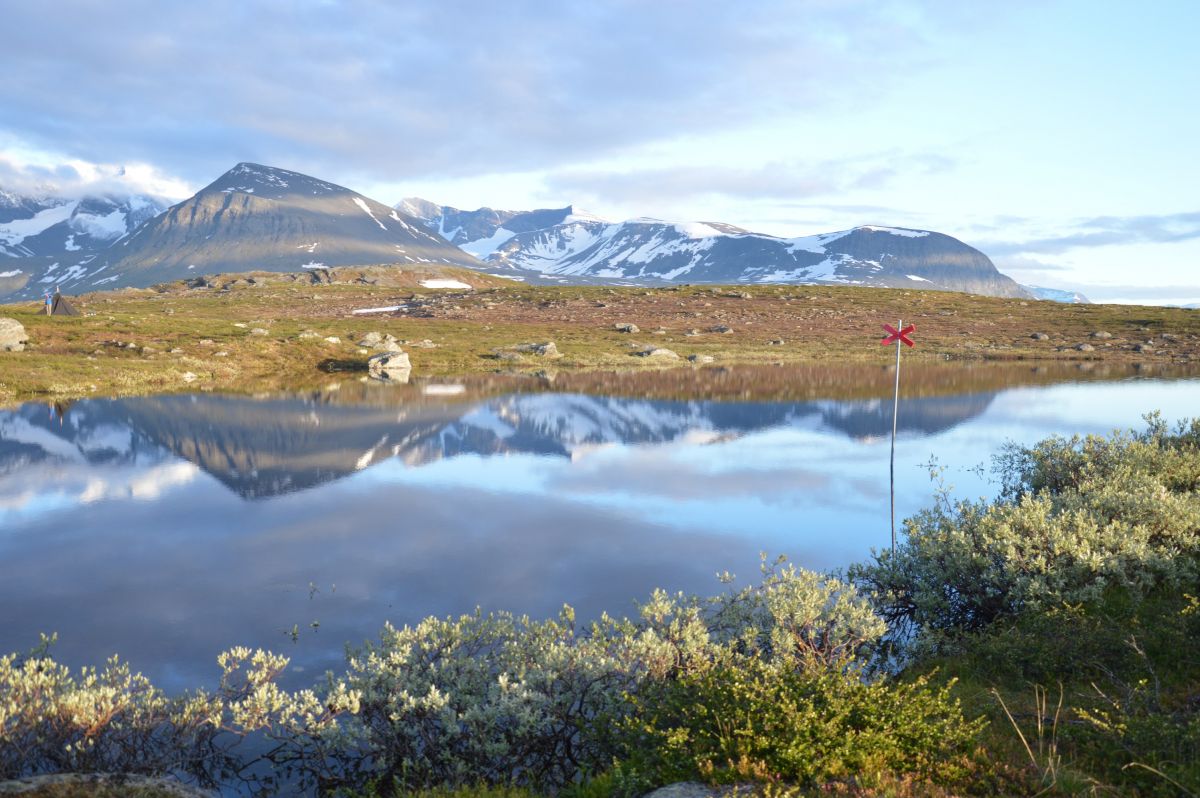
566 244
260 218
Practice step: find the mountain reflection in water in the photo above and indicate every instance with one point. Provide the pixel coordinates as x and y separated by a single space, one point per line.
169 528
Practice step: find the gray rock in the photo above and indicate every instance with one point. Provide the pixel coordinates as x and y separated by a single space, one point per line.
1040 337
12 335
545 349
259 331
720 328
370 339
694 789
700 358
307 334
1102 335
1085 348
1144 348
658 351
393 366
333 339
625 327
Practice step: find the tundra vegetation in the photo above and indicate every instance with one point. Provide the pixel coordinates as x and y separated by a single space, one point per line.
264 331
1041 642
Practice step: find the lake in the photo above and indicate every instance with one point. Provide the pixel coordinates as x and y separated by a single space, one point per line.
169 528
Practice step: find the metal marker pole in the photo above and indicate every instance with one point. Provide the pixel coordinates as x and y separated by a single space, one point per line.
895 412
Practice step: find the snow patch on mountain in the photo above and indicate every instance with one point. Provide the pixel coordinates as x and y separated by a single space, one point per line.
18 230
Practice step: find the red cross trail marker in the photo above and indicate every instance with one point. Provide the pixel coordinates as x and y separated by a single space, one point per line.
897 335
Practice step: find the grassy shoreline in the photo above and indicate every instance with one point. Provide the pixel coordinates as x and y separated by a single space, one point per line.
243 332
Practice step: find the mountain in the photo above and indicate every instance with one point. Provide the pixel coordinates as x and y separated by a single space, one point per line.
569 245
255 218
50 240
1057 295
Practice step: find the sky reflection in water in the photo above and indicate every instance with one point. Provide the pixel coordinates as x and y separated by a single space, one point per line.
170 528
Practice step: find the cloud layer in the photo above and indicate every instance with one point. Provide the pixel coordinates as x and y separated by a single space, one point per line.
389 91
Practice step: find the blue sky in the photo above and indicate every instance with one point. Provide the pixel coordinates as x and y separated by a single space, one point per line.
1058 137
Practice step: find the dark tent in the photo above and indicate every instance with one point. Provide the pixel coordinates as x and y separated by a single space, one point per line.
60 307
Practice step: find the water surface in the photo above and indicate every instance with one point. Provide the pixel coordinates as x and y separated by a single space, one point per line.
169 528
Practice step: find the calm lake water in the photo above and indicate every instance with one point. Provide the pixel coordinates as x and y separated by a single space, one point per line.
169 528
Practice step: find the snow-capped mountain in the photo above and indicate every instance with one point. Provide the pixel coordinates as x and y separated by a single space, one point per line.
253 217
1057 295
566 244
49 240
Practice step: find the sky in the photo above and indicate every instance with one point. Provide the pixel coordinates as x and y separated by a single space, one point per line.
1057 136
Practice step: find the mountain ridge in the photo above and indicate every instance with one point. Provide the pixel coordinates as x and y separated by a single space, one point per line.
566 243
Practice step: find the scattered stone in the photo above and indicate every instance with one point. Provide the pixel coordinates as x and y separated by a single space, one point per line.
205 342
657 351
775 342
392 366
1169 337
692 332
370 339
1040 337
239 324
176 351
1085 348
259 331
308 334
333 339
694 789
626 327
546 349
1144 348
1102 335
12 335
720 328
148 350
221 354
700 358
189 377
388 346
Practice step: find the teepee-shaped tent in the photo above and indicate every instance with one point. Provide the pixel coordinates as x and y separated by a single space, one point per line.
59 306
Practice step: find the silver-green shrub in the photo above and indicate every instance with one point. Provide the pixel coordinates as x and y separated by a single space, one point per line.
1077 518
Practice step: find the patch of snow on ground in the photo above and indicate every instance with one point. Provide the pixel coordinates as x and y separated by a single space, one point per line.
918 278
443 284
896 231
358 201
70 246
18 230
310 248
388 309
482 247
508 277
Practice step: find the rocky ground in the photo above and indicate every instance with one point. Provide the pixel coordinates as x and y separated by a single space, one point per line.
263 331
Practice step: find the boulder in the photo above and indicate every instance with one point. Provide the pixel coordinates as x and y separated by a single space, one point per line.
392 366
700 358
1085 348
659 352
12 335
371 339
1102 335
625 327
545 349
1040 336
